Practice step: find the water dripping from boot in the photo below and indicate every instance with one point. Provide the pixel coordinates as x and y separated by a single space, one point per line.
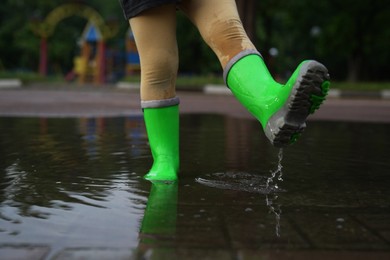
276 173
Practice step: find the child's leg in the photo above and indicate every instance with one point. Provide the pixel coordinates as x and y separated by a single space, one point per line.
220 26
281 109
155 35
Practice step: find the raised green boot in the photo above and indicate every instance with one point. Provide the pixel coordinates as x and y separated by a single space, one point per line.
281 109
162 126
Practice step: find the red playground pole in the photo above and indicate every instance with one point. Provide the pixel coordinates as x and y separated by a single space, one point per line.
43 57
101 62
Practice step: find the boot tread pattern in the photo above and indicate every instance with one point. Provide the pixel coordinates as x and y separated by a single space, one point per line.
307 95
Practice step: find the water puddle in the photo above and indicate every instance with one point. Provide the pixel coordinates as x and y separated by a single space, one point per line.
77 182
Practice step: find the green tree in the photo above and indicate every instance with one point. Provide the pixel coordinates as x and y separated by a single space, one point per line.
247 10
358 32
350 37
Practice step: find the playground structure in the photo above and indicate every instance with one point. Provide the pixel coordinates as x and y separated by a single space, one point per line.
90 65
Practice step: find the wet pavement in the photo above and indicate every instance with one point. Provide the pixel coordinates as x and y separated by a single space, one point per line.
109 101
364 236
40 252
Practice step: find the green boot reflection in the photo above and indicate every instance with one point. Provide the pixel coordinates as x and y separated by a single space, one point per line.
159 222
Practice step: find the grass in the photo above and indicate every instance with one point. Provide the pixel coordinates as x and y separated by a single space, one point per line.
30 77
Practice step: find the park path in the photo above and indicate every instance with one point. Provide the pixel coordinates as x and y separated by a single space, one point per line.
109 101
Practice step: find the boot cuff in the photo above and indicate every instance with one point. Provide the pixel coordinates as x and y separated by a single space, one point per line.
236 58
160 103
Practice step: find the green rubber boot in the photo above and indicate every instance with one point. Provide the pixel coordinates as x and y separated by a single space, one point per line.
281 109
162 126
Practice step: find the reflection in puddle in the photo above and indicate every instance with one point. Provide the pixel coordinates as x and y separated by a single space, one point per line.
275 209
159 221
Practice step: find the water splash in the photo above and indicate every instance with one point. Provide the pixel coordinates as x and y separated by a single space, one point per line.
276 210
278 171
273 207
243 181
240 181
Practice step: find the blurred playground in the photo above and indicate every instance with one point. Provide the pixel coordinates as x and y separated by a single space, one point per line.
93 61
90 42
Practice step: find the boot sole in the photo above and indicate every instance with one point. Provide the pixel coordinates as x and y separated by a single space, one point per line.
309 91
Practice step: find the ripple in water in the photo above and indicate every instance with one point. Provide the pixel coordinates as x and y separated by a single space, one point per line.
244 181
241 181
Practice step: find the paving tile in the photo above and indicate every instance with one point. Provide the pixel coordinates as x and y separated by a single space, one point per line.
378 224
199 226
310 255
336 231
200 237
375 221
95 253
187 254
18 252
385 234
261 228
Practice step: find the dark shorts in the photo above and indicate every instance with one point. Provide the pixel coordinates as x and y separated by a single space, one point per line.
132 8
